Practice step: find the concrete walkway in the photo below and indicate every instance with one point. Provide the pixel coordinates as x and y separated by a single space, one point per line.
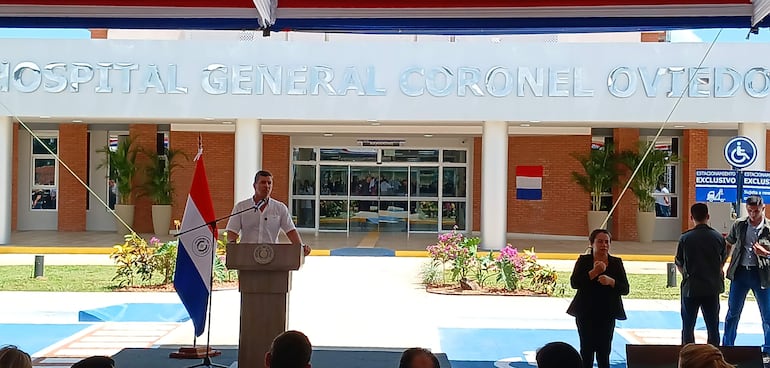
361 302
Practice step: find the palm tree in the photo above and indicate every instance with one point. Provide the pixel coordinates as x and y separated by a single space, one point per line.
600 166
651 169
121 163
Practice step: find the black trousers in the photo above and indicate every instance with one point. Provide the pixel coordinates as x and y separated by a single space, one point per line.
595 338
709 305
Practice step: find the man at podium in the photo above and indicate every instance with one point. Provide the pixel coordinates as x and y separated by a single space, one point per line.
269 217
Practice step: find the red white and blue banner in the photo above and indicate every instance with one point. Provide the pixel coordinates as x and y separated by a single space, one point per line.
529 182
390 16
192 278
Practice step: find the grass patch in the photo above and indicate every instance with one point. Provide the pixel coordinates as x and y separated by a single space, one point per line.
58 278
644 286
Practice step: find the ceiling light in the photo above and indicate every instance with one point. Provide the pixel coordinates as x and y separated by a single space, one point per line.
227 122
524 125
678 126
77 121
534 121
328 135
208 118
427 135
45 117
374 122
703 122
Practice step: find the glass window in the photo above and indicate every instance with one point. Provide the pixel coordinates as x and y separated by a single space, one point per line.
44 199
456 156
423 216
333 215
303 154
303 211
334 180
424 181
454 182
304 180
401 155
453 214
45 171
393 181
348 154
39 149
392 216
364 181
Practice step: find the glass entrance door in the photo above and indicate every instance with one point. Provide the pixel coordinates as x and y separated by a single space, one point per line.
378 198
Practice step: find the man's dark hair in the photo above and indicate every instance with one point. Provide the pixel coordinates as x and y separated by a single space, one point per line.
558 354
409 354
699 212
262 173
96 361
290 349
754 200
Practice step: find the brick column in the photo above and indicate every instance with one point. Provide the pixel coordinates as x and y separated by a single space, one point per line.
653 36
695 143
143 137
624 217
98 34
275 158
476 184
218 151
72 196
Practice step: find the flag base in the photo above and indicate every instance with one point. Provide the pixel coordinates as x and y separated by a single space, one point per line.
192 352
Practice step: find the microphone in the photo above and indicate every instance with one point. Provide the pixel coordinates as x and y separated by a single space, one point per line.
259 204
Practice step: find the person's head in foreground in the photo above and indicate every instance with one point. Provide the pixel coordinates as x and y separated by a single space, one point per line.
96 361
13 357
558 354
702 356
290 349
418 358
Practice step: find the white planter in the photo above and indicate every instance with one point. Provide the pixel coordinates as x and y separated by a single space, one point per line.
595 220
161 218
645 226
125 212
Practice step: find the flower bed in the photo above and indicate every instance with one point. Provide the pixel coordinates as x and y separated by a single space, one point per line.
457 267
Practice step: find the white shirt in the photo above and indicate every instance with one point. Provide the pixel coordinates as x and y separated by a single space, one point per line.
258 227
661 199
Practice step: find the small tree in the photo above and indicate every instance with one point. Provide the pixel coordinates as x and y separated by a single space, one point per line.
121 164
158 185
600 173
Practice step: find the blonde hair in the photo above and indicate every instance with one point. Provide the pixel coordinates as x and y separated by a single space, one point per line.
702 356
12 357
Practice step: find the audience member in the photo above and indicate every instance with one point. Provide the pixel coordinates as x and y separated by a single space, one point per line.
13 357
96 361
290 349
558 354
702 356
418 358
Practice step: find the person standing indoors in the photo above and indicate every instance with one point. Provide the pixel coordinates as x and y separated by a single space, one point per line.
600 280
700 256
266 221
749 269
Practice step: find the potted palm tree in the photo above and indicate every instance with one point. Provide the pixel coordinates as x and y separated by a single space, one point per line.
121 167
159 187
599 174
651 170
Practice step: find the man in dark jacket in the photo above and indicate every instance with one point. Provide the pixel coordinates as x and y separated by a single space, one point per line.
749 270
700 256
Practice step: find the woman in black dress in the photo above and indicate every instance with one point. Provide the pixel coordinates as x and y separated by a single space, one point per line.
600 280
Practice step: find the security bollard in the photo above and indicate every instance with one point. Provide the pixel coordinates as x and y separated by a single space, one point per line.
671 275
39 266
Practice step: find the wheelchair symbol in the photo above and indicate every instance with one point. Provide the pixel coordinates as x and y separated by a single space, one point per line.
740 152
739 155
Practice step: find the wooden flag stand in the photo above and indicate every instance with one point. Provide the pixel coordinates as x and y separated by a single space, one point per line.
194 352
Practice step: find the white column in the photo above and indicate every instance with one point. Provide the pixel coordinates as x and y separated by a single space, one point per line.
494 184
248 156
6 178
757 133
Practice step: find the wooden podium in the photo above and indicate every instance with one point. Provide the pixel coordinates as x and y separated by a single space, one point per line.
264 274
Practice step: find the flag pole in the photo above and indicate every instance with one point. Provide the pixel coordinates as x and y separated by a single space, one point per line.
213 228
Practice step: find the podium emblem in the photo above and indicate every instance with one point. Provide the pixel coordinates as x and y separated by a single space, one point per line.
263 254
